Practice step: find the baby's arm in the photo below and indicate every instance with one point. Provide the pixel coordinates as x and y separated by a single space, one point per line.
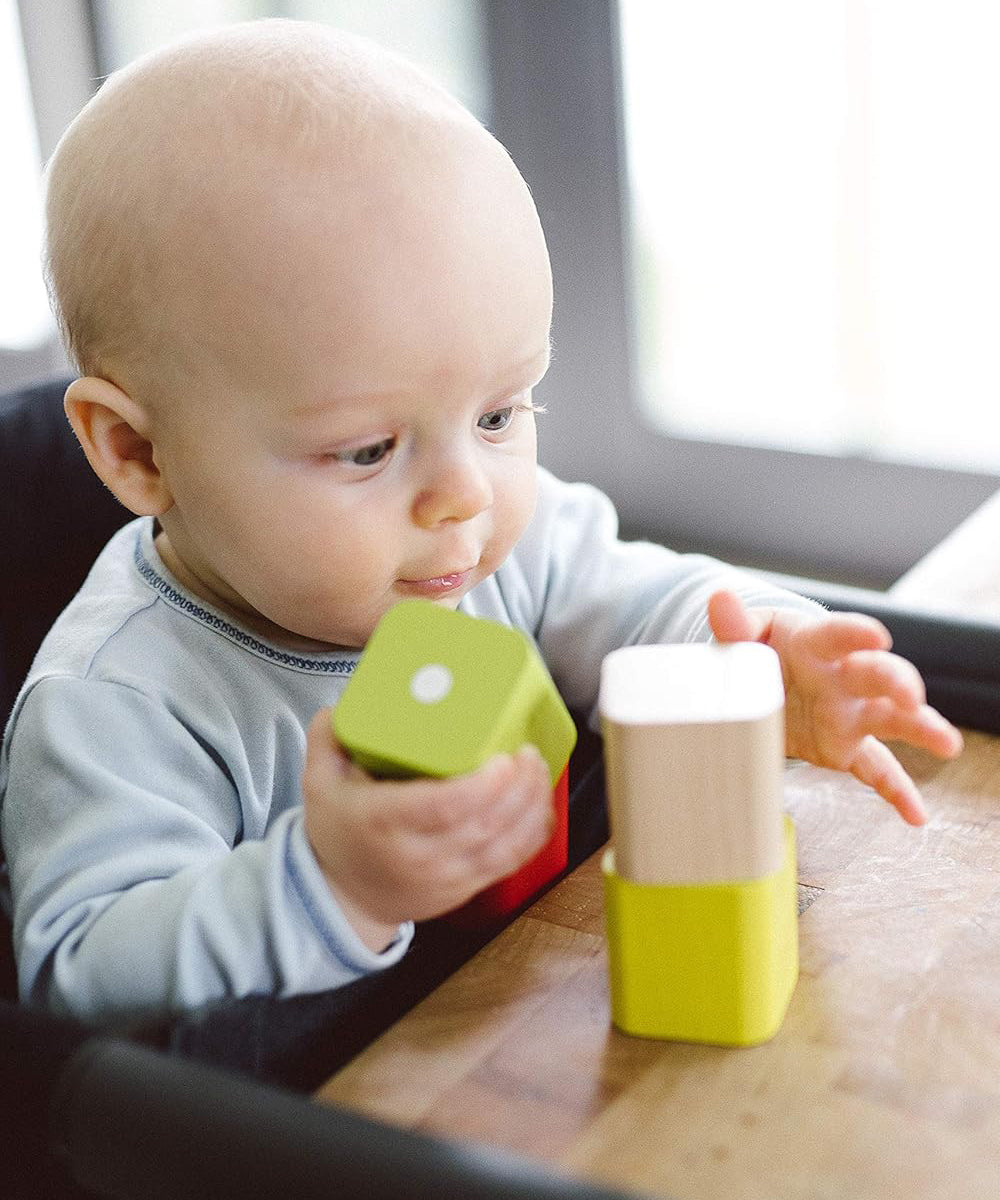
845 693
394 851
148 872
582 592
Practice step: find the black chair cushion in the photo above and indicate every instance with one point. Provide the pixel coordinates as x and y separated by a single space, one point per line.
55 517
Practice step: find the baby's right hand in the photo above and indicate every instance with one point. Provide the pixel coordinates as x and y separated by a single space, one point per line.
394 851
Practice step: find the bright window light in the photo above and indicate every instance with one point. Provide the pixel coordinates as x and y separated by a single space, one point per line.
25 320
445 36
816 243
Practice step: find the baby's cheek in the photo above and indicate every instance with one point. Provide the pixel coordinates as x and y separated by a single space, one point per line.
522 507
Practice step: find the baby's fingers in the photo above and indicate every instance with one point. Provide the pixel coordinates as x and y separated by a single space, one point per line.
876 766
841 634
518 824
498 813
923 727
870 674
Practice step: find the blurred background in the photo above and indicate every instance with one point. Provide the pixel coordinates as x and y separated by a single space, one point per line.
773 228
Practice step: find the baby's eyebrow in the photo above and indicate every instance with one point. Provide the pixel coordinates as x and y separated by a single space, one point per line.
535 366
345 401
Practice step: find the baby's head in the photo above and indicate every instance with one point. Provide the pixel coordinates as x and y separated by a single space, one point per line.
309 296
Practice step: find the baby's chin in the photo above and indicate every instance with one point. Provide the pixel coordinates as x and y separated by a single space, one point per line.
319 639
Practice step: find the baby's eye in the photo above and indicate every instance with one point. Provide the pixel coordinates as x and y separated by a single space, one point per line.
497 420
368 456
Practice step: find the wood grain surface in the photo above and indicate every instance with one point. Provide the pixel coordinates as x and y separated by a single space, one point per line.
883 1083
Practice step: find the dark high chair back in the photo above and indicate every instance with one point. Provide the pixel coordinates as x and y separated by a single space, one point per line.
55 516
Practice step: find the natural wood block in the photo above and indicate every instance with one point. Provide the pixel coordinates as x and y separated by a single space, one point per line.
694 757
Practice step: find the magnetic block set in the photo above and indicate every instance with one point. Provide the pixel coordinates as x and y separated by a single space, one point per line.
699 887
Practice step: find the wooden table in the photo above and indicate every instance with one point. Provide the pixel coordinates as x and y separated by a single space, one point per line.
883 1083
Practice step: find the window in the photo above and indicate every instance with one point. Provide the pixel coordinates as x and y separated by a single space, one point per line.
25 320
444 36
814 216
822 499
819 397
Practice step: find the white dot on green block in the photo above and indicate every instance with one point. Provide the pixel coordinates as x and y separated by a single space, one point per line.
431 683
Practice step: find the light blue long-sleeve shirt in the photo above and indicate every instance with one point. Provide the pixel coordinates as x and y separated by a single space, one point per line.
150 773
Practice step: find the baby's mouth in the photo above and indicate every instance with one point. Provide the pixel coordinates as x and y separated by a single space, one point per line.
438 585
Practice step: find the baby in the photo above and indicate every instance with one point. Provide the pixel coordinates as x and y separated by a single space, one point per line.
310 299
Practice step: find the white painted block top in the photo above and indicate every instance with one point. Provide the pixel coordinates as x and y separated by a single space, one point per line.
690 683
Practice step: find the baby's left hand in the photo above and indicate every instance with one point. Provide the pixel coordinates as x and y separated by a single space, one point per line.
844 694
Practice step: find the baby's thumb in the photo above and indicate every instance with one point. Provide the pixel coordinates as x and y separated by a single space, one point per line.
730 621
324 754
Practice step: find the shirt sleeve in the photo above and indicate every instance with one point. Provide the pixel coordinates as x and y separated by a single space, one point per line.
133 892
585 592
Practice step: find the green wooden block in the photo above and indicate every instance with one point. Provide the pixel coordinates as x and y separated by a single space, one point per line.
438 693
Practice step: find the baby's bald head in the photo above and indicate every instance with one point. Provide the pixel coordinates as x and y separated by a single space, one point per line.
166 191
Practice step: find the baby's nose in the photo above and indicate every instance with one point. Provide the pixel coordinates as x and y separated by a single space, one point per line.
458 491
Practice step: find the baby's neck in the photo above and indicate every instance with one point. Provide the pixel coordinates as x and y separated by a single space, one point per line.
245 616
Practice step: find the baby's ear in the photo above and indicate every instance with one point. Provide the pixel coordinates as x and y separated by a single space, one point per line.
114 432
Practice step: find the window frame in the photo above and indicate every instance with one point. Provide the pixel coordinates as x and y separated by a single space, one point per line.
61 60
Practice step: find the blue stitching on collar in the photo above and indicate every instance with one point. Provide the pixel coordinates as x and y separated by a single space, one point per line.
334 666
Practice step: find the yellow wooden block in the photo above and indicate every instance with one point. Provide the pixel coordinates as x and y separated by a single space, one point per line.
714 962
